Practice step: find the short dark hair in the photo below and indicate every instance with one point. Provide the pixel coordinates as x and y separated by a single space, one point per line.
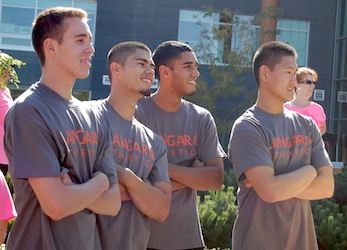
270 54
50 24
121 51
168 51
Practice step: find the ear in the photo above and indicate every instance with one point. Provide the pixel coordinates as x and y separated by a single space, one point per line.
115 68
263 73
50 46
164 71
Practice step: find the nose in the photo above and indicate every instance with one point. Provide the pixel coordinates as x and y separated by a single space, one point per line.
90 49
196 73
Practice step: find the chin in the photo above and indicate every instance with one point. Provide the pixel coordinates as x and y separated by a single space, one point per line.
146 92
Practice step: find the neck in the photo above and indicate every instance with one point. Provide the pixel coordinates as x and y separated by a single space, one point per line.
167 101
61 84
269 104
124 105
300 102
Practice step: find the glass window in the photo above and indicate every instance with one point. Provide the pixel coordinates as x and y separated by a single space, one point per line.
16 17
19 2
192 24
16 20
295 33
211 35
242 37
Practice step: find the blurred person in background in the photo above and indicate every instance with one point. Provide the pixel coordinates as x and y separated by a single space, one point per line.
306 80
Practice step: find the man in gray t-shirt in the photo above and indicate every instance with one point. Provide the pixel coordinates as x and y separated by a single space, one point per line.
60 160
140 154
194 153
279 160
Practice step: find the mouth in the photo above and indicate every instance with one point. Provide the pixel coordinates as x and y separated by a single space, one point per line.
87 61
192 82
147 81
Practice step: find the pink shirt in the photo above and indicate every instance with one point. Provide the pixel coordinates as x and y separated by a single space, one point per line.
5 103
7 209
315 111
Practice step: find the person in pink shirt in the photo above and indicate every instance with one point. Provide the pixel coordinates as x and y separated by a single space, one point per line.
306 80
8 75
5 103
7 209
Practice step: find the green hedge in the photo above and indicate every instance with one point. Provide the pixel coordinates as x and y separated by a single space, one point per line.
218 211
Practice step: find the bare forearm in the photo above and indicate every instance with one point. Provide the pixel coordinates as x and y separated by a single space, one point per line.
321 187
150 200
124 193
273 188
109 203
198 178
176 185
58 200
3 230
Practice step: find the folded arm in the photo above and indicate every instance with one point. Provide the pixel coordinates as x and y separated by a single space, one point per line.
108 203
199 176
321 187
273 188
59 200
153 201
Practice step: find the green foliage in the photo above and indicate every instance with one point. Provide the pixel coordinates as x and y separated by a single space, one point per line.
7 64
218 211
229 68
340 194
330 225
217 215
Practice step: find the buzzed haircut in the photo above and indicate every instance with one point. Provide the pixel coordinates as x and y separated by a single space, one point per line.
121 51
270 54
167 52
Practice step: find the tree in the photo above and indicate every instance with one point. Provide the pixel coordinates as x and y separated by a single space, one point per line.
226 50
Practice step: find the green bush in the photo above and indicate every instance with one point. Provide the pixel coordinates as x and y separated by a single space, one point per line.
218 211
330 225
217 215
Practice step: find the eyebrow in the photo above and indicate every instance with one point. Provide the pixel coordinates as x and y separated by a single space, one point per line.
145 61
82 35
189 63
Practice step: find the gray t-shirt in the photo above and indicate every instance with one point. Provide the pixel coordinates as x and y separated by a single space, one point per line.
285 142
144 152
189 134
47 136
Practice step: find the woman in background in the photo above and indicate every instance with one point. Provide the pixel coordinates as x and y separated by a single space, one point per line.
7 75
306 79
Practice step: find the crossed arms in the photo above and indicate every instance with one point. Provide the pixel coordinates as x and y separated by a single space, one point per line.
304 183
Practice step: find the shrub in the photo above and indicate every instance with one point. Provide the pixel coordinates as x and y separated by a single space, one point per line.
217 215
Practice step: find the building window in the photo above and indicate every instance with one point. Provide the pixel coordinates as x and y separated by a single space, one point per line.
16 17
295 33
242 32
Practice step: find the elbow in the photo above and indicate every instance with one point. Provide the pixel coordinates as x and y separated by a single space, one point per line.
115 210
329 192
56 212
218 183
270 197
161 217
161 214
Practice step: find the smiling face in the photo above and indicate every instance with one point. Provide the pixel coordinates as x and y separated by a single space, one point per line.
138 73
184 73
307 86
74 53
